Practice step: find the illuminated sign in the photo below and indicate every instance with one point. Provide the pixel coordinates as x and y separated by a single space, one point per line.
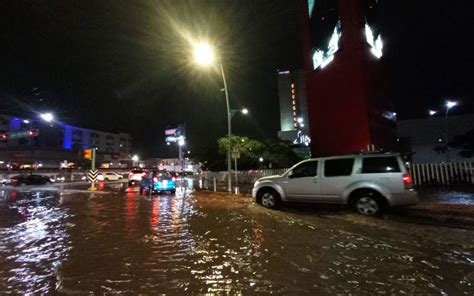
20 134
321 58
302 138
376 44
175 133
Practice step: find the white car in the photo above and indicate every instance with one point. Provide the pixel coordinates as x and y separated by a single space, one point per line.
109 176
367 182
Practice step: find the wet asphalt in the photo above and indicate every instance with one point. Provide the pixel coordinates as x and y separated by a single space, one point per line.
71 241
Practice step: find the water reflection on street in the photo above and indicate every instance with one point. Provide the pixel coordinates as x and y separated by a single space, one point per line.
116 241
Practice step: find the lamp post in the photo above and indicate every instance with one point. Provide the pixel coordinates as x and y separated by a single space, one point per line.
204 55
135 160
47 117
449 105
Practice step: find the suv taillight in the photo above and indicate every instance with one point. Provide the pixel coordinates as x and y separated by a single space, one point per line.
407 181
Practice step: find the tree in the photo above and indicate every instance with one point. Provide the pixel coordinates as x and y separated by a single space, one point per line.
465 143
274 154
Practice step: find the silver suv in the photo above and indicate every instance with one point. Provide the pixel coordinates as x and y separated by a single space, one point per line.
367 182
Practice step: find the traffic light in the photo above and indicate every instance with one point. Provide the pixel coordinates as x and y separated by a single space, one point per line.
88 153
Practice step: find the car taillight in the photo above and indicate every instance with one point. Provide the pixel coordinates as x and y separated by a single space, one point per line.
407 181
173 178
155 179
143 174
130 174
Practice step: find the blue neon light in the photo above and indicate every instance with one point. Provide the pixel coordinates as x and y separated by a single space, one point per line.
67 142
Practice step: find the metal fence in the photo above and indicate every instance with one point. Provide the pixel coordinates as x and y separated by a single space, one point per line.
442 174
424 174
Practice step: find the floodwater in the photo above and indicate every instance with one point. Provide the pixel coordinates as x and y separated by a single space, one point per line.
115 241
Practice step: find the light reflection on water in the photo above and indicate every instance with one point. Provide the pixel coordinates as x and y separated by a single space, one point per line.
188 244
33 242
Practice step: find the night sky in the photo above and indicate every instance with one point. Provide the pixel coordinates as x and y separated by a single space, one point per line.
125 65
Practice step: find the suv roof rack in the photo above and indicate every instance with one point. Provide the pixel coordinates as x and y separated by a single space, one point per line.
377 152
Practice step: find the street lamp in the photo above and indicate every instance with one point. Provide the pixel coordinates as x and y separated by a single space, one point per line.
135 160
449 105
181 143
244 111
432 112
204 55
48 117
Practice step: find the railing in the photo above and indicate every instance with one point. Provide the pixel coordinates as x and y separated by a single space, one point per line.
442 174
424 174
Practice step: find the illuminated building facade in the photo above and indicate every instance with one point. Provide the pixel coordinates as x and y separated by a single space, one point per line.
348 106
57 142
293 107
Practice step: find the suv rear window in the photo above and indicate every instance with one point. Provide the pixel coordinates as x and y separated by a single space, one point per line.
338 167
373 165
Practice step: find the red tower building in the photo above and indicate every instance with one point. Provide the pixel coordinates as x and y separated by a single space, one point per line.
348 105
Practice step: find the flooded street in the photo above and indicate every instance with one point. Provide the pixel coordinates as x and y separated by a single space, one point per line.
76 242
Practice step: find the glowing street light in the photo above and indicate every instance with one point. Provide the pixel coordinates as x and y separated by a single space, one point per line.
48 117
450 104
204 55
245 111
432 112
135 157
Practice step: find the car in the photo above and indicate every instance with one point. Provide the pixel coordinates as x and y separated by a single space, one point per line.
109 176
161 180
369 183
135 176
31 179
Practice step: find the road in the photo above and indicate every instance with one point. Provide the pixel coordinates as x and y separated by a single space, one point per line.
115 241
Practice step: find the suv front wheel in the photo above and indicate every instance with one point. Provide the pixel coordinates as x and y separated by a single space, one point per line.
269 198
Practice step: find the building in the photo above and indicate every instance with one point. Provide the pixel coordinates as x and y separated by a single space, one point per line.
293 107
348 106
52 143
425 139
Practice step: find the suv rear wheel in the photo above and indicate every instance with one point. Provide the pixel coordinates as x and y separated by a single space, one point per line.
269 198
368 203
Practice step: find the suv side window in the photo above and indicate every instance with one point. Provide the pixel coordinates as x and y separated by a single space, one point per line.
373 165
338 167
306 169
